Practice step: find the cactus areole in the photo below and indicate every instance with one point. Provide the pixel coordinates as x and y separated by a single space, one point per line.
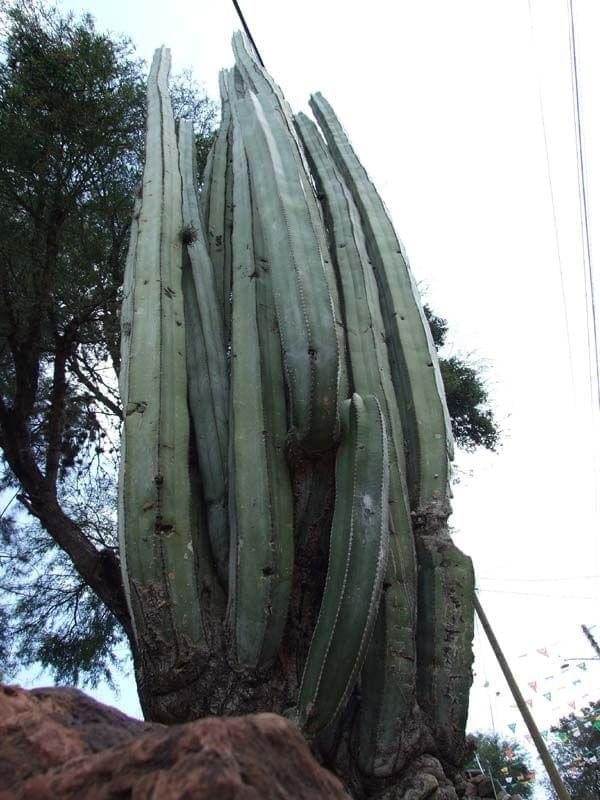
284 482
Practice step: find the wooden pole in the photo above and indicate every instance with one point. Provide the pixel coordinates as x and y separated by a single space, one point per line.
555 778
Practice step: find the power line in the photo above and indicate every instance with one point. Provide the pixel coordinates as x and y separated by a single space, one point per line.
587 250
553 203
247 31
539 594
543 580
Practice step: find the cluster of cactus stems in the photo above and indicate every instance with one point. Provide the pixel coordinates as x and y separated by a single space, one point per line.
269 319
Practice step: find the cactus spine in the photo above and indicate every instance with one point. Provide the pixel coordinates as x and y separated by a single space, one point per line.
293 301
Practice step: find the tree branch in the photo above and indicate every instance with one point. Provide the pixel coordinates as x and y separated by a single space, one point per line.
114 408
99 569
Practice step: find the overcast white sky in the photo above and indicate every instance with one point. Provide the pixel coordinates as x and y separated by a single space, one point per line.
441 102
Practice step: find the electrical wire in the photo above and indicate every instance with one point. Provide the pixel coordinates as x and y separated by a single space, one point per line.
539 594
8 505
552 202
247 31
543 580
586 243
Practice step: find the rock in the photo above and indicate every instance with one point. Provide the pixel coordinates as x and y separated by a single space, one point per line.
43 728
485 788
425 780
58 744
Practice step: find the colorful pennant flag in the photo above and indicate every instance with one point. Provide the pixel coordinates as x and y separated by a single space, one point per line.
542 651
548 696
533 685
513 726
582 665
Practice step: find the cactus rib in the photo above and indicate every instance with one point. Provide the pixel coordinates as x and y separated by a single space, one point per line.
217 199
155 501
207 367
414 366
302 295
261 499
357 560
204 199
388 677
444 639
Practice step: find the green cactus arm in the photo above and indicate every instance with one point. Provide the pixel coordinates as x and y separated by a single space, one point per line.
388 690
357 561
272 99
260 495
127 306
155 498
305 313
208 381
445 639
415 370
205 189
204 194
216 204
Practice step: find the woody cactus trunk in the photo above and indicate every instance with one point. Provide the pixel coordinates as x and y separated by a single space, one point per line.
285 465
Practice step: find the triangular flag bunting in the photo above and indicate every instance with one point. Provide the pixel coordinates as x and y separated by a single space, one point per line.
528 737
548 696
542 651
533 685
513 726
529 703
582 665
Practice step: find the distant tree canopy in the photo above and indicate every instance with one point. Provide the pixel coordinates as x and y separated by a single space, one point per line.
576 753
473 422
505 761
72 120
72 111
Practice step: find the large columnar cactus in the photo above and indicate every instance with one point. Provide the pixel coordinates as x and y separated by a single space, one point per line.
292 554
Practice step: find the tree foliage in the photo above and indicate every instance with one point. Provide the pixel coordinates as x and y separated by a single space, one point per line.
72 107
72 112
506 761
473 422
576 753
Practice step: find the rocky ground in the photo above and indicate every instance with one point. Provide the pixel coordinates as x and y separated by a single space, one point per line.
59 744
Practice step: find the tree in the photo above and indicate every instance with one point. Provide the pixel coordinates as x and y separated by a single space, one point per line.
505 761
473 423
576 753
75 98
72 107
